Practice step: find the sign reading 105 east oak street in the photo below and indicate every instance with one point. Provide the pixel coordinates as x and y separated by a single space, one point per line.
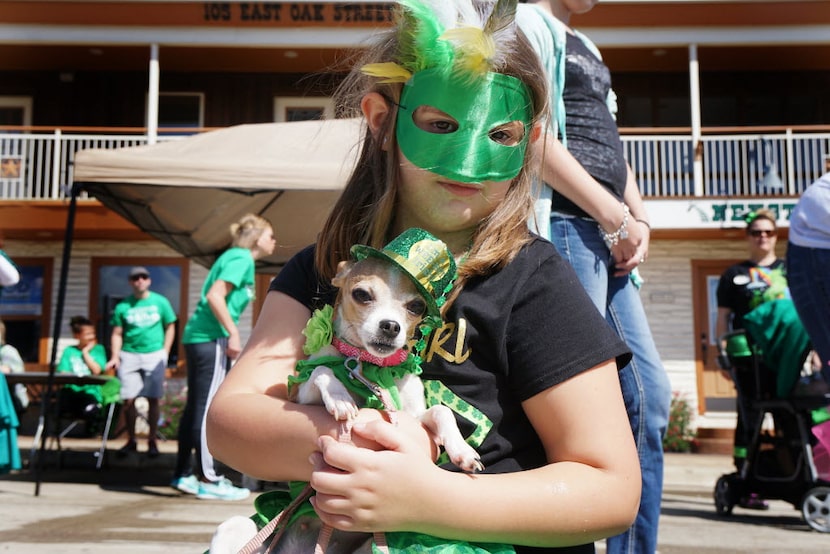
296 12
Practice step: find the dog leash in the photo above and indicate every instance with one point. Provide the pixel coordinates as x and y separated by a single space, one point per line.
277 525
355 368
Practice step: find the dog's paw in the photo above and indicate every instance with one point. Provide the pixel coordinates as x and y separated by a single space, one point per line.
232 535
336 398
464 456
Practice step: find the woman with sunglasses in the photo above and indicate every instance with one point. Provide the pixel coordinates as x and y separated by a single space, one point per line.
740 290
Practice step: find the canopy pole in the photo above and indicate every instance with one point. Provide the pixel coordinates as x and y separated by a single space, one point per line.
43 427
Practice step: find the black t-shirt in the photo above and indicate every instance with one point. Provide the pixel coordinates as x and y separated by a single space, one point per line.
741 284
506 337
593 138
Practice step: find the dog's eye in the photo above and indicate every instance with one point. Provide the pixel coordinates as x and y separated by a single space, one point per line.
361 296
416 307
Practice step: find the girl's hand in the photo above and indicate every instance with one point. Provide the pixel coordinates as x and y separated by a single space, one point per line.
406 426
359 489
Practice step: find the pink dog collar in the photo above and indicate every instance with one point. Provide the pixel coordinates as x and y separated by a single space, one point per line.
348 350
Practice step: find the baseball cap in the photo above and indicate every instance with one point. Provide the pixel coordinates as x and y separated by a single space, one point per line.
138 270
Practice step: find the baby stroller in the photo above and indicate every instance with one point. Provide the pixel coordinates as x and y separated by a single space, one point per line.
780 461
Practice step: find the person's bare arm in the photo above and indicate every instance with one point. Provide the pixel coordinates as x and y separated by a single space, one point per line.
86 354
721 328
169 335
554 505
116 341
639 226
566 175
216 300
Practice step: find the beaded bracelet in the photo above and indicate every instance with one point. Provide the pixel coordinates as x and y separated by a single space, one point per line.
611 239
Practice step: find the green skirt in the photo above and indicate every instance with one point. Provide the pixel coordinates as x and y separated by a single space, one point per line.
269 504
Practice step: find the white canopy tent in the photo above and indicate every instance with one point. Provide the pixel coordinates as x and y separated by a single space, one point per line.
187 192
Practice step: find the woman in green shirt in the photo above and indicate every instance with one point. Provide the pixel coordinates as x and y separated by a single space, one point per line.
211 341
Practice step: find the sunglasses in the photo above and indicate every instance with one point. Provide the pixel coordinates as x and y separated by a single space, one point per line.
137 277
762 232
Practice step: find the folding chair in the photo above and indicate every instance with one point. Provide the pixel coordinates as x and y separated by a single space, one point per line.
110 399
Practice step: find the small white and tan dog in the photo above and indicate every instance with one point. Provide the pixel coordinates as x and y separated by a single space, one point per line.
383 297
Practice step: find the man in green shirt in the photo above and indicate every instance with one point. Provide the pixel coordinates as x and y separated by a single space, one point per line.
142 335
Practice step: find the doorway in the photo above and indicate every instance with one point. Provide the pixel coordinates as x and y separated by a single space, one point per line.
717 393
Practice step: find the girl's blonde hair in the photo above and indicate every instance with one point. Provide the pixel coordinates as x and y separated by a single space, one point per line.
247 230
365 211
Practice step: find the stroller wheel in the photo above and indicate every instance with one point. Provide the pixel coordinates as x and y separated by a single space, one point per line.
815 507
724 495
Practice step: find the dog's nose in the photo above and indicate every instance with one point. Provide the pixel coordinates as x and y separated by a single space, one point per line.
390 328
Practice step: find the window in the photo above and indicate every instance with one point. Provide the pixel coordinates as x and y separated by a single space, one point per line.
15 110
301 108
109 284
181 110
26 309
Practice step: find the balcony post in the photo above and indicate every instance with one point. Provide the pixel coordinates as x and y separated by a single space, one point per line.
694 97
153 96
788 142
57 161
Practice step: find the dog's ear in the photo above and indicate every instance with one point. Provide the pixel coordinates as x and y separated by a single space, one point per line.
343 270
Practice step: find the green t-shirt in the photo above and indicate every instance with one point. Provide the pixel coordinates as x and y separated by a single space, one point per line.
72 361
143 322
235 266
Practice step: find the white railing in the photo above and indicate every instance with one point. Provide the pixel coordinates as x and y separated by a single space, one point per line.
769 164
39 166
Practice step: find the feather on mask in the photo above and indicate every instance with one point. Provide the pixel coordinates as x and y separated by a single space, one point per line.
454 36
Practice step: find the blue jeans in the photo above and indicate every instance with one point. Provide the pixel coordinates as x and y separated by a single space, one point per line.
645 385
808 275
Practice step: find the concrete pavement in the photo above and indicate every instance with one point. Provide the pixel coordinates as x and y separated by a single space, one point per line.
128 506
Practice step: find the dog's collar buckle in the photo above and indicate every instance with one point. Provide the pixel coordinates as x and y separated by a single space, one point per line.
355 368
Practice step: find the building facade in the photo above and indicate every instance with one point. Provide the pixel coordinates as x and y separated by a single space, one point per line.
723 107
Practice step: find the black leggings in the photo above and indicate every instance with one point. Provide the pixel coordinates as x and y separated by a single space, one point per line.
207 365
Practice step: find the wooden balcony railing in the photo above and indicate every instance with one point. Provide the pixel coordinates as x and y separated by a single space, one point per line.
36 163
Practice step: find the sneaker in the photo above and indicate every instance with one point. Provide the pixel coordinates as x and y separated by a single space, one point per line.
753 502
126 449
187 485
221 490
152 450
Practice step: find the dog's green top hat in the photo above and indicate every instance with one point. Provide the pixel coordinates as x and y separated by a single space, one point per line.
424 259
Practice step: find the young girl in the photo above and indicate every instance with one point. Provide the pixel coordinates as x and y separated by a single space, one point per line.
88 357
523 357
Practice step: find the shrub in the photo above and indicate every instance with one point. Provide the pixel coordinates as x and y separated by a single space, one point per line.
171 407
680 435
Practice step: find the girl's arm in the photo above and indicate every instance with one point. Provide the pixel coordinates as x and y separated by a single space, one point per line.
589 490
251 424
